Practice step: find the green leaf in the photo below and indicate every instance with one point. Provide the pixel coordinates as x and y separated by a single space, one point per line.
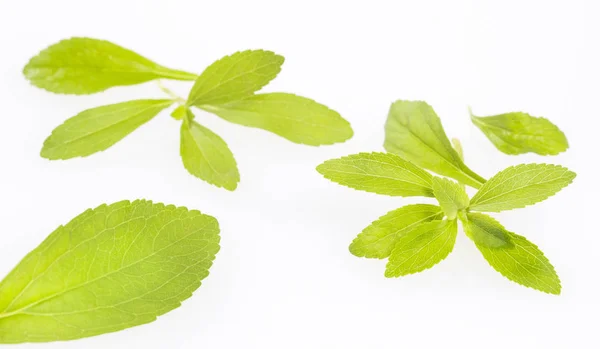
523 263
180 112
235 77
207 156
519 133
380 173
378 239
299 119
451 196
97 129
486 231
414 131
422 248
110 268
519 186
84 65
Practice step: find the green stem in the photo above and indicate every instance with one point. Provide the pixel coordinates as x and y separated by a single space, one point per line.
178 75
171 94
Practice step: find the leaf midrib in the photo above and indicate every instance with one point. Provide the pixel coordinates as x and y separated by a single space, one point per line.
479 203
406 227
124 301
404 169
157 70
436 152
519 265
381 177
221 83
133 116
22 309
447 225
479 122
270 115
192 124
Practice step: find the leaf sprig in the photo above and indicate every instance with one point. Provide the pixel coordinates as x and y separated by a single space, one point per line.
416 237
227 88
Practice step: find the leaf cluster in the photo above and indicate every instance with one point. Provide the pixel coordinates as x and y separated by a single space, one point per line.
416 237
227 88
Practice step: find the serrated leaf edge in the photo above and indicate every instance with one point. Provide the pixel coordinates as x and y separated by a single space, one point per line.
319 169
543 255
407 228
210 260
523 206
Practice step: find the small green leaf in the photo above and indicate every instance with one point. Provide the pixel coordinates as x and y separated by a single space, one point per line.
519 133
84 65
299 119
378 239
179 113
97 129
519 186
380 173
414 131
109 269
206 156
451 196
422 248
235 77
523 263
486 231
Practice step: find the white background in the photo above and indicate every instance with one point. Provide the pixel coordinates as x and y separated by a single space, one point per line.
284 277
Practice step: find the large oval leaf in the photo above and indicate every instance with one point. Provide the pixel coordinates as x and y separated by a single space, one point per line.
110 268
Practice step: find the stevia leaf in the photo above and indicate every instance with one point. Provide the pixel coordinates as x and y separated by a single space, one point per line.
235 77
85 65
97 129
523 263
380 173
299 119
207 156
180 112
486 231
519 133
422 248
414 131
378 239
519 186
110 268
451 196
